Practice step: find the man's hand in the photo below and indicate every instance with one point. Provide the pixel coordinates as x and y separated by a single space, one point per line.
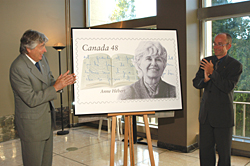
208 67
64 80
206 78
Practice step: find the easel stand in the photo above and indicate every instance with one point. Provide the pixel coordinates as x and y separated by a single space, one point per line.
129 133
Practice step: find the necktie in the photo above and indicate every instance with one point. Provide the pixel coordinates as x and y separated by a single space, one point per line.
217 65
37 65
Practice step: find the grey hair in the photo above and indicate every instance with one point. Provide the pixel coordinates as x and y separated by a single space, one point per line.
148 48
31 39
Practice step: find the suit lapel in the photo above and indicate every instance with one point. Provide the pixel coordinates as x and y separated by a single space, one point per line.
43 71
223 64
34 70
141 89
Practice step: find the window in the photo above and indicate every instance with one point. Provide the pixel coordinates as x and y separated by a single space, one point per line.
209 3
238 28
109 11
151 120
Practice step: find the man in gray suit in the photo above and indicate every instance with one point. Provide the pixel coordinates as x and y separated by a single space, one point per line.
34 92
218 75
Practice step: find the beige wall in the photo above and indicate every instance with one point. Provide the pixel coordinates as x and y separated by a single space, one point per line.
47 16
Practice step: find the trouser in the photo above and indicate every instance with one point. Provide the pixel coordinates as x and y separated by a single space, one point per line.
38 153
211 136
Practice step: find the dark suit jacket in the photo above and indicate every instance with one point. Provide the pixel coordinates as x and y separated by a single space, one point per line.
217 100
139 91
33 93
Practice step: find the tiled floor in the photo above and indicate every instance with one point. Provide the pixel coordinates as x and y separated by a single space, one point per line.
82 147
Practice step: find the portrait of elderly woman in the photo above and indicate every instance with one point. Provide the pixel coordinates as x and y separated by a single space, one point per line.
150 61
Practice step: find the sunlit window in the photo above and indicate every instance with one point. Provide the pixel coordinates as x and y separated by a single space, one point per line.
209 3
238 28
109 11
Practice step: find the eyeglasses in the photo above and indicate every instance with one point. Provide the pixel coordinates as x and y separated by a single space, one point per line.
219 45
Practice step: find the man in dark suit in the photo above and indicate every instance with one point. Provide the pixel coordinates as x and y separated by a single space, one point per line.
34 90
218 75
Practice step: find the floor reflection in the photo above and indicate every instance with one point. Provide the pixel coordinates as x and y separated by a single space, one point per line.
82 147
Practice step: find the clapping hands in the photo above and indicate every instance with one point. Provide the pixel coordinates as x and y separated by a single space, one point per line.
64 80
208 68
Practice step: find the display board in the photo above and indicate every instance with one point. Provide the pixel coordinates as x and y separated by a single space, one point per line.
125 70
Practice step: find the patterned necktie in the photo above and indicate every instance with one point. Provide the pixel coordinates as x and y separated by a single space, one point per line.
37 65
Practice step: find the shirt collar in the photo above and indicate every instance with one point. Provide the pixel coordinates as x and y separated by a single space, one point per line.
221 59
34 62
152 89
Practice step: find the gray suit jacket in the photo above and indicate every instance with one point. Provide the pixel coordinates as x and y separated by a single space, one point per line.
33 92
217 100
139 91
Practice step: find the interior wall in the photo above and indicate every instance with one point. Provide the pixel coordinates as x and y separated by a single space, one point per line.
16 17
77 13
77 19
193 98
180 131
172 15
